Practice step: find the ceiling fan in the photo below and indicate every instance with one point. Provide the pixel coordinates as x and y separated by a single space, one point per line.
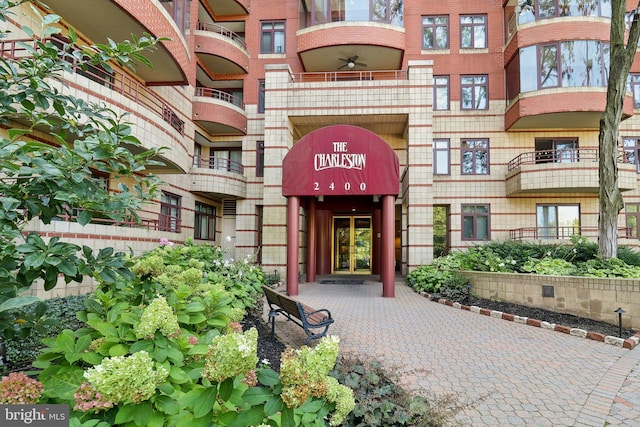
351 63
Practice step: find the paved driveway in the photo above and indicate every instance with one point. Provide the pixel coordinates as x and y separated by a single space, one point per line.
508 374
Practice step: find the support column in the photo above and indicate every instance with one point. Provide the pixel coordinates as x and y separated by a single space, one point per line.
388 249
312 240
293 244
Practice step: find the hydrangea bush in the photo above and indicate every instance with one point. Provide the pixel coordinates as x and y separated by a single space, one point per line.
166 349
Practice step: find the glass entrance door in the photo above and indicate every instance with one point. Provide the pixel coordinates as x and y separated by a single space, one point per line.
352 245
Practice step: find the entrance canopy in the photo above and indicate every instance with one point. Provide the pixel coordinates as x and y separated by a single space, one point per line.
341 160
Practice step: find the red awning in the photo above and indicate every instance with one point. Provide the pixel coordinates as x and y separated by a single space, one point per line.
341 160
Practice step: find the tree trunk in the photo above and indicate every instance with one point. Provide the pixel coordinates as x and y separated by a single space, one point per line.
621 57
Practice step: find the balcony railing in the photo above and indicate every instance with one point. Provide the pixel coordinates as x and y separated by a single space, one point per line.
219 29
561 233
118 82
218 163
162 223
572 155
221 95
341 76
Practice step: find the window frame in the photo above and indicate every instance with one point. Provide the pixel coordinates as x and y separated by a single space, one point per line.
635 231
436 150
437 88
166 220
474 151
634 149
272 32
259 159
435 26
262 95
475 215
472 27
475 91
211 218
558 226
633 83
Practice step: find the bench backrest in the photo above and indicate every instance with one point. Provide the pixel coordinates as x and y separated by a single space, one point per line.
282 301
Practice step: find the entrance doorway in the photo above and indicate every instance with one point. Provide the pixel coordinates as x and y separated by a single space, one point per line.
351 245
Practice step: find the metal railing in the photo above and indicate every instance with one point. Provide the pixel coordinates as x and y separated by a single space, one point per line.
116 81
162 223
561 233
572 155
219 29
221 95
341 76
218 163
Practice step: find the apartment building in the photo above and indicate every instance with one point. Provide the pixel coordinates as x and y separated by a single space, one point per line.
362 136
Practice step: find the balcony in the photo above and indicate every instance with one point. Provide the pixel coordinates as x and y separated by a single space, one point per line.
561 233
228 7
219 112
101 20
218 177
120 90
563 171
220 50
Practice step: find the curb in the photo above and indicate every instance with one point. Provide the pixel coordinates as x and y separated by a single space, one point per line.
629 343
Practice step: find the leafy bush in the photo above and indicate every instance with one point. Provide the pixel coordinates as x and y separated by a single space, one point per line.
612 267
551 266
380 401
629 256
161 350
60 314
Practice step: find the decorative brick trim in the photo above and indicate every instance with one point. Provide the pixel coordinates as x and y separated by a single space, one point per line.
629 343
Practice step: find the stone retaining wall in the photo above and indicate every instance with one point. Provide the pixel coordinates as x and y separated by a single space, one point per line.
589 297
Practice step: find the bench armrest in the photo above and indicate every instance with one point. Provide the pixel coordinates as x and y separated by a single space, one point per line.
326 321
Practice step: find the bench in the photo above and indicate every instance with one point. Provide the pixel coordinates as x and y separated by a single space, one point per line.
314 322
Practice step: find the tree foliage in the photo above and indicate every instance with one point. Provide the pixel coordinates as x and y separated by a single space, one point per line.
52 147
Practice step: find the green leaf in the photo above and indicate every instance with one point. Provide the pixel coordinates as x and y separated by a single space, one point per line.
287 418
143 414
249 417
125 413
167 405
257 395
225 389
118 350
66 341
268 377
205 403
18 132
17 302
273 406
84 217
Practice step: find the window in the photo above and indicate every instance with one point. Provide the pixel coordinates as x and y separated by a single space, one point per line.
555 8
179 11
272 37
474 92
205 222
634 88
261 96
226 160
197 155
475 156
631 145
475 222
260 158
632 219
441 156
170 212
441 93
473 31
435 32
557 150
557 221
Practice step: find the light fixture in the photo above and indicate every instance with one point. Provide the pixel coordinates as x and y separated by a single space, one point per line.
376 198
321 198
351 64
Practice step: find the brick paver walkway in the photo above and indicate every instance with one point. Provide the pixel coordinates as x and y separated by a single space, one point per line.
507 374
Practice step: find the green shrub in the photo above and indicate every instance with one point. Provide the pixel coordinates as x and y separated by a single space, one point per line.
548 265
380 401
612 267
629 255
